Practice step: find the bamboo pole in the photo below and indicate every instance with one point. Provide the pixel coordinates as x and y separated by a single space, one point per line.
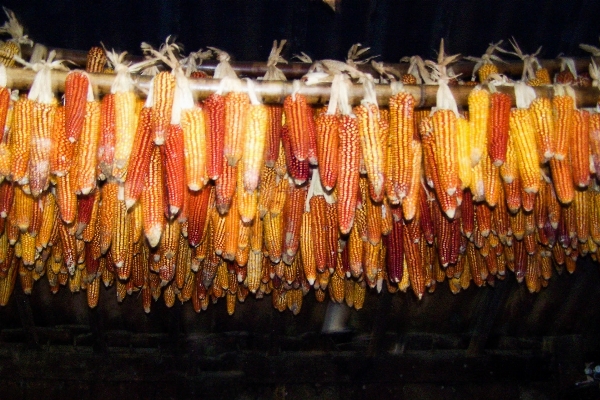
295 70
274 92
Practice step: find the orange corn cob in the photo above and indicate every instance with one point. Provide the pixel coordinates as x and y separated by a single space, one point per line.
5 105
543 121
479 112
106 147
62 150
594 141
36 217
121 238
174 168
582 209
152 199
562 180
373 215
273 231
76 94
307 248
86 160
69 248
140 158
125 127
579 149
21 210
318 212
49 216
328 140
400 143
109 203
311 133
237 105
20 139
371 147
411 201
563 110
214 106
193 123
273 138
521 128
254 144
5 161
232 226
225 187
39 160
292 218
332 234
296 115
355 245
509 170
348 176
163 90
414 263
498 130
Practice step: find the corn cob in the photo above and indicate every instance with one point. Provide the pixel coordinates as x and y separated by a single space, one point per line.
109 203
318 212
521 128
311 133
5 161
279 195
348 176
498 130
199 205
125 127
5 107
225 187
193 123
479 112
152 200
86 153
491 180
463 140
62 150
237 105
254 144
579 149
106 147
214 106
76 95
292 218
39 160
544 124
296 115
140 158
395 252
371 147
173 160
413 263
20 139
564 111
96 60
163 90
272 141
562 180
400 140
411 201
328 140
22 209
121 238
8 50
594 142
298 170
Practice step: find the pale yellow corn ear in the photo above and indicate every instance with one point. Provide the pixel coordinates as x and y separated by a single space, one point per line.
479 109
125 127
522 130
193 123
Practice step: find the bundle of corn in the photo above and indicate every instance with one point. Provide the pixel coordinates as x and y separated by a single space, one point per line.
189 201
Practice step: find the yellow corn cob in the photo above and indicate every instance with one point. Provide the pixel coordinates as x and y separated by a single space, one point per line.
8 49
153 201
20 139
232 227
87 147
564 110
273 231
125 127
410 203
107 211
49 215
254 145
446 150
372 148
579 149
93 292
399 144
463 141
163 90
236 108
193 123
22 209
582 209
5 161
521 128
479 109
121 235
247 202
543 122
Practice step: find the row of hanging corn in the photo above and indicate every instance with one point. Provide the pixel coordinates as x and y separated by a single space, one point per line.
235 197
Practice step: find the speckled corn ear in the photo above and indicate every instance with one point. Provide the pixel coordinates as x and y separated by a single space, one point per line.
125 127
371 147
523 133
401 135
348 175
214 107
153 200
563 111
76 93
163 90
328 140
579 149
237 105
193 123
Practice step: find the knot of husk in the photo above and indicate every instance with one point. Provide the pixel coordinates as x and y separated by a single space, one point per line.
530 61
568 63
386 74
194 59
441 74
123 81
273 73
41 88
14 28
594 73
224 69
487 58
417 69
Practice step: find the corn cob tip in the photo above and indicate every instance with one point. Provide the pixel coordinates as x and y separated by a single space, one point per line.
129 203
451 212
194 187
154 234
173 210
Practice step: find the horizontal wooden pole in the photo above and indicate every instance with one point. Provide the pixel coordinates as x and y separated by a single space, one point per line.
274 92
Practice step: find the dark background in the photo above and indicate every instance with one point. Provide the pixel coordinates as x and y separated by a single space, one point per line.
246 29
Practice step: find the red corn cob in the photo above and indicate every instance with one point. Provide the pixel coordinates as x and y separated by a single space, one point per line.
296 115
273 135
199 204
292 218
298 170
152 199
395 252
140 158
76 93
498 130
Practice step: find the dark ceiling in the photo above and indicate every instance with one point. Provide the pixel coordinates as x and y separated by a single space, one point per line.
247 28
